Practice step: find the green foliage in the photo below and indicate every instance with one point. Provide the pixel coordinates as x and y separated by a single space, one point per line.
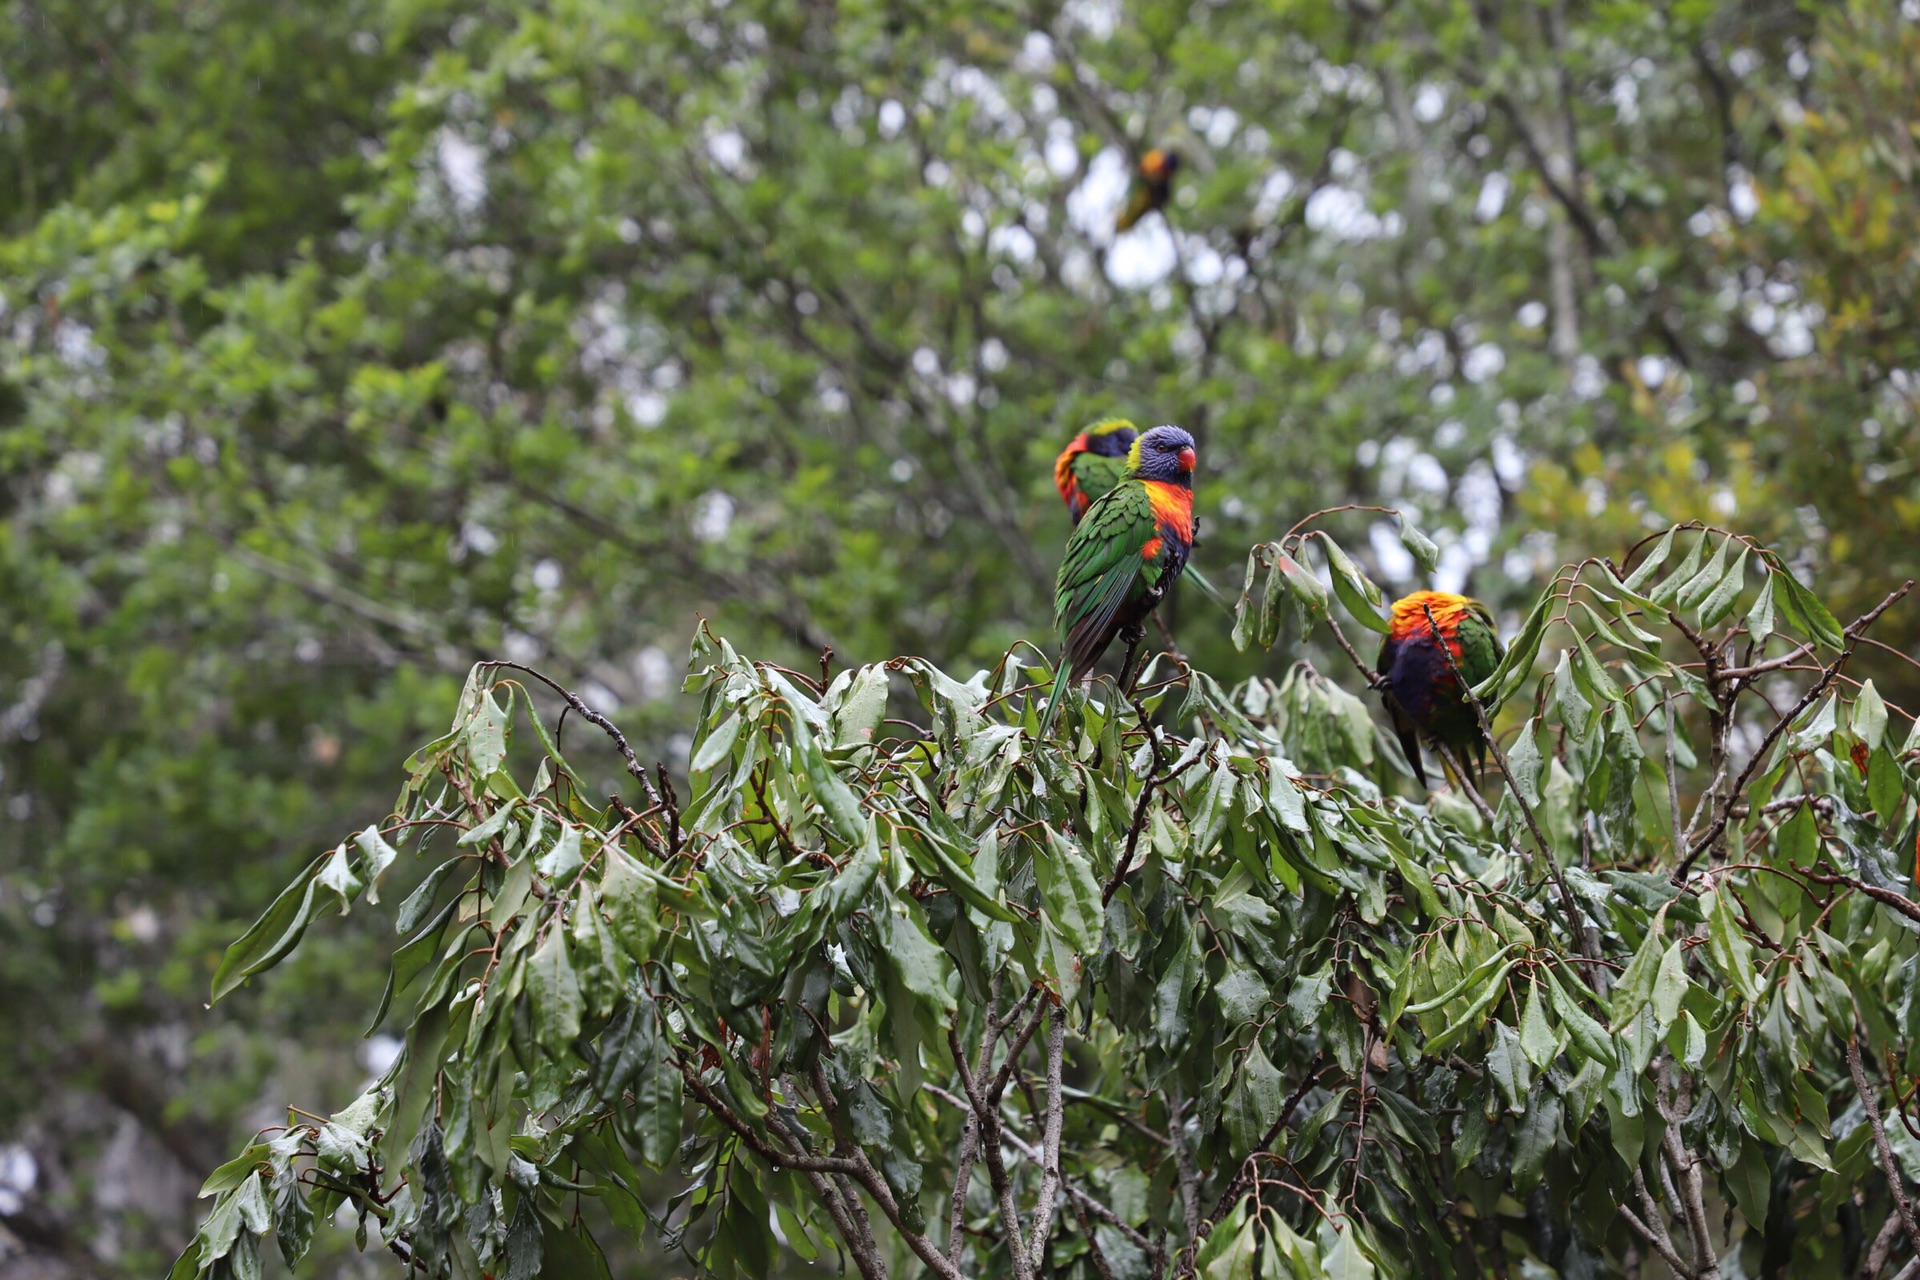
1196 994
347 345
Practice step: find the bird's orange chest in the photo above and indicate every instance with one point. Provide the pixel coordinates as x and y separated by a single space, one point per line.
1172 516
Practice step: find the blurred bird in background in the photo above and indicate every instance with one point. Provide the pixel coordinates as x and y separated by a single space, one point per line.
1152 184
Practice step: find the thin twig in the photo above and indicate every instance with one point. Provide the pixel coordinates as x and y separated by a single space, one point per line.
1673 775
1458 768
1189 1178
1100 1263
592 717
1245 1176
1125 866
1895 1183
1712 835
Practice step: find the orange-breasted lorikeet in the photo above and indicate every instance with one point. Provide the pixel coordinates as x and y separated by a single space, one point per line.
1423 697
1094 462
1153 183
1123 557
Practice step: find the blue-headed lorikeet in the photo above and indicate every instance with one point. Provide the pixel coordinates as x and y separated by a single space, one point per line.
1153 183
1424 699
1123 557
1092 463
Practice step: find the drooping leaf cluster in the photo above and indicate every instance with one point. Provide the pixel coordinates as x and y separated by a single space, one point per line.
1197 986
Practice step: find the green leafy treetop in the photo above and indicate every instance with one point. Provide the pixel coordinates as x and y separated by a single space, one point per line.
934 998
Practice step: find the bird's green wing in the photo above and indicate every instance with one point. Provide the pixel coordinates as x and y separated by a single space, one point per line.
1480 649
1101 569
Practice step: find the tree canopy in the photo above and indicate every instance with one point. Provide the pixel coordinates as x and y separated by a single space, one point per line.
936 997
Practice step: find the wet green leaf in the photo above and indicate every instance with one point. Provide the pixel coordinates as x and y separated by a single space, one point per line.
1356 591
1422 548
555 992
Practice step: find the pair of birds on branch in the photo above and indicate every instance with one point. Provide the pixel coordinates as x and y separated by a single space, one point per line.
1130 494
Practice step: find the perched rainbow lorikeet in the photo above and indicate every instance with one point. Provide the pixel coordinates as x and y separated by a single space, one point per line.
1153 183
1092 463
1423 697
1123 557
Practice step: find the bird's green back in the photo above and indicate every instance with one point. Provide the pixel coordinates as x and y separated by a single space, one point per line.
1479 644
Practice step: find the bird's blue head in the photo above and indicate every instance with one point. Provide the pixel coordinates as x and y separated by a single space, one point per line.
1165 454
1110 437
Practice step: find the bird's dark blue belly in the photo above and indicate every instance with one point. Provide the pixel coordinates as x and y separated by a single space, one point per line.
1418 675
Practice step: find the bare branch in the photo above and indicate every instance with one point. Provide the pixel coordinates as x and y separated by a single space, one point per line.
593 718
962 1177
1043 1211
1674 1107
1086 1203
1140 806
986 1109
1661 1244
1189 1176
1100 1264
858 1236
1882 1245
1673 778
1869 1098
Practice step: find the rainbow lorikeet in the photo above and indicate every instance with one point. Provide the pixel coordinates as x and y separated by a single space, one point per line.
1423 697
1094 462
1123 558
1153 183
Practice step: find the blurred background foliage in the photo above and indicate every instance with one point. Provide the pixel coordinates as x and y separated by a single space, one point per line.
342 345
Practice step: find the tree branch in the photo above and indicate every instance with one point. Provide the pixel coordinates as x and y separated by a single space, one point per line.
1895 1183
593 718
1711 837
1081 1200
1882 1245
1674 1111
857 1237
1659 1239
1246 1174
986 1109
1043 1210
1189 1178
1582 933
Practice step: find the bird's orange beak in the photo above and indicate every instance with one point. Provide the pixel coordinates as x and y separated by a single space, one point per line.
1188 460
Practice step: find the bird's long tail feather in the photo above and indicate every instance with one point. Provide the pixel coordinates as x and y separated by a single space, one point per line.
1062 680
1208 590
